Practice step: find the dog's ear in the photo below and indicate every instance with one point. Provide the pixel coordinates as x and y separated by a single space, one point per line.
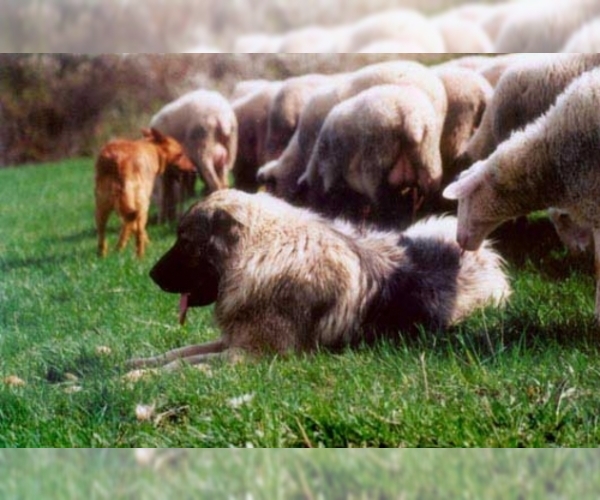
225 232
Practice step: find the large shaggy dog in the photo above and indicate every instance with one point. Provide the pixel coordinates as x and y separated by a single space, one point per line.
286 280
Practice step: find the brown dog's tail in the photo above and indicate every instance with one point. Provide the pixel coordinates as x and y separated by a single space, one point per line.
126 205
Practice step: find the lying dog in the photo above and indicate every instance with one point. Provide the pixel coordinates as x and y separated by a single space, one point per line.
286 280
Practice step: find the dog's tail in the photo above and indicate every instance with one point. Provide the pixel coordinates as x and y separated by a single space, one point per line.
126 205
482 279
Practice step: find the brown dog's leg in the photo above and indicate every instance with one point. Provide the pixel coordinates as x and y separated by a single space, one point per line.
101 220
141 236
103 211
126 230
215 347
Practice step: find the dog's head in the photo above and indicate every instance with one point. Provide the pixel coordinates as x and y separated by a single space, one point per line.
193 267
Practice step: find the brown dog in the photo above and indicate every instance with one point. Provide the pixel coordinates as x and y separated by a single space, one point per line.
286 280
125 175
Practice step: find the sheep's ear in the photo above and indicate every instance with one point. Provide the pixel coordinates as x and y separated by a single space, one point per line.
466 183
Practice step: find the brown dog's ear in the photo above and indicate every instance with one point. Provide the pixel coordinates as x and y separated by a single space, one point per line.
147 133
225 232
157 135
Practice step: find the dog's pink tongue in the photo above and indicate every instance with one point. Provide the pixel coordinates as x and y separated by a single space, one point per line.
183 307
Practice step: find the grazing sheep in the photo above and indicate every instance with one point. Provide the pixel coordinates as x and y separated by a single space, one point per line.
386 46
374 145
474 12
553 162
252 114
125 175
525 91
205 124
400 25
544 26
256 43
246 87
462 36
286 106
468 95
281 176
309 39
585 40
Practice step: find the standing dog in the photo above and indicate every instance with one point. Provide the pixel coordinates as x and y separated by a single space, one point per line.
125 175
286 280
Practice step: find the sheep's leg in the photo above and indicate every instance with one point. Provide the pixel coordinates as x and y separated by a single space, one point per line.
597 269
182 353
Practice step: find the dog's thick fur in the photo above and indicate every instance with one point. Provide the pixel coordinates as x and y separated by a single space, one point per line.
286 280
125 175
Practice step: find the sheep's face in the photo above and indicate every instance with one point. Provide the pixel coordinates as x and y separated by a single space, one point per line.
477 216
474 221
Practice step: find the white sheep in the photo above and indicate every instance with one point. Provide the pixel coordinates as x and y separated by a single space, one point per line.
585 39
468 95
525 91
376 145
544 26
553 162
400 25
204 122
281 175
462 35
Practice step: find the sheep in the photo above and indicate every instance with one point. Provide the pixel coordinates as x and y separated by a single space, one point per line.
247 87
204 122
253 43
286 106
461 35
385 46
281 176
401 25
544 27
553 162
468 94
586 39
372 147
252 114
311 39
524 92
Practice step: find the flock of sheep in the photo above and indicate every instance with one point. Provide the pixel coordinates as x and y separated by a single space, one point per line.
509 26
386 144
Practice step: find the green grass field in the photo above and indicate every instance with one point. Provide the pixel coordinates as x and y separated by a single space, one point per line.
304 474
524 377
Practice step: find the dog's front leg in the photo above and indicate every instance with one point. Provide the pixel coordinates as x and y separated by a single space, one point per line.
231 355
186 352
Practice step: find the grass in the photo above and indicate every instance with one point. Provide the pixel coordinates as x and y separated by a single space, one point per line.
523 377
296 474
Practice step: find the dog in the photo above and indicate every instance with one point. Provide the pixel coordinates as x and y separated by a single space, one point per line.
286 280
125 172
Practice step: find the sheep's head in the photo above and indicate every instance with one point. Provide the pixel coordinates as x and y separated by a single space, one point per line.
477 214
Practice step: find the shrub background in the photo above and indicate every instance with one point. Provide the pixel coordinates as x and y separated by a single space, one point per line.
56 106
